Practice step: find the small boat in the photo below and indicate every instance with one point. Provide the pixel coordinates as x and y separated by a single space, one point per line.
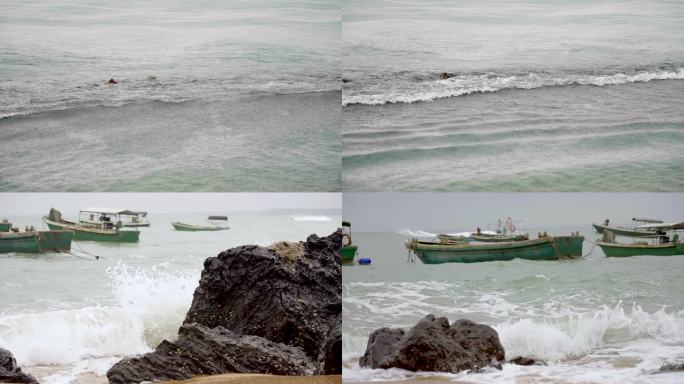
36 241
348 251
5 226
544 248
107 229
128 218
660 244
635 231
195 228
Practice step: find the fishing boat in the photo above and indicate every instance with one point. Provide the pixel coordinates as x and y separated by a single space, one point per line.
195 228
128 218
109 228
636 230
504 230
5 226
36 241
659 245
348 251
544 248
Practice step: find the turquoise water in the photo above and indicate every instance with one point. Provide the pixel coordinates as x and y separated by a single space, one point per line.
211 96
564 96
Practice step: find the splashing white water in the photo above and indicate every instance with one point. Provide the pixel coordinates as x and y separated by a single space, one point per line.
321 219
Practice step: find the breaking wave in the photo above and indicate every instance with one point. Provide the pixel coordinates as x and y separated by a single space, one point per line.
416 89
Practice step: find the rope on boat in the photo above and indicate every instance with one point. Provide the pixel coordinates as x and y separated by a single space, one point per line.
592 248
411 257
97 257
57 250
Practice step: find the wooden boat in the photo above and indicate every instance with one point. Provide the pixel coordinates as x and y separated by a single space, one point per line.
543 248
498 238
195 228
660 245
106 230
348 251
5 226
36 241
635 231
94 216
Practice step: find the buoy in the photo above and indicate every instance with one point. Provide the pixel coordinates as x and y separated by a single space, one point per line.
364 261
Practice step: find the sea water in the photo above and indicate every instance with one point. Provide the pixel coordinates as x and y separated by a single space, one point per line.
211 96
553 96
68 318
591 320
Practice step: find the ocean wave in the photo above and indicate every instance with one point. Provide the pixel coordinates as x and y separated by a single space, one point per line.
410 91
319 219
149 305
416 233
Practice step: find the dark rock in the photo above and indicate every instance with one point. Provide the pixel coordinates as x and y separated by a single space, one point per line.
274 310
112 81
520 360
10 372
253 290
330 360
668 368
444 76
434 345
207 351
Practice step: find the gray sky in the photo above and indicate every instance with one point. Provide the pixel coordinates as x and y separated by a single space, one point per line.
389 211
70 203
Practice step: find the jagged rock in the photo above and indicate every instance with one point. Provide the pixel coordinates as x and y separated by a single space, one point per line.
434 345
330 360
10 372
208 351
253 290
256 310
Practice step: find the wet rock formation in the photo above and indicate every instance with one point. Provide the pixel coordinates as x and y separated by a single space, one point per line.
256 310
435 345
10 372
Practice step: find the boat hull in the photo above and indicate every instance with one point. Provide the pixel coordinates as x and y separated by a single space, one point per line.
347 253
627 250
5 227
623 231
195 228
82 233
538 249
36 242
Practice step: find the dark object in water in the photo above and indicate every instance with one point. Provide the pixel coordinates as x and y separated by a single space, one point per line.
10 372
444 76
433 345
112 81
525 361
364 261
289 308
668 368
218 217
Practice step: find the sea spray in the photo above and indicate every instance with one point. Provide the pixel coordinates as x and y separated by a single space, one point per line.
158 296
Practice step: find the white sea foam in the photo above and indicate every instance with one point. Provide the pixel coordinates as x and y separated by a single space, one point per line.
148 305
416 233
321 219
468 84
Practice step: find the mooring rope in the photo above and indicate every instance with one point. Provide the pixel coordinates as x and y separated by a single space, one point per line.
592 248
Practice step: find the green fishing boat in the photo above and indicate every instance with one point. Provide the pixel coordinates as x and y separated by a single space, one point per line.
107 230
348 251
36 241
195 228
660 245
5 226
637 229
503 231
543 248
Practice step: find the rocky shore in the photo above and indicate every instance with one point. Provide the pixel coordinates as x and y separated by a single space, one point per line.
274 310
10 372
434 345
